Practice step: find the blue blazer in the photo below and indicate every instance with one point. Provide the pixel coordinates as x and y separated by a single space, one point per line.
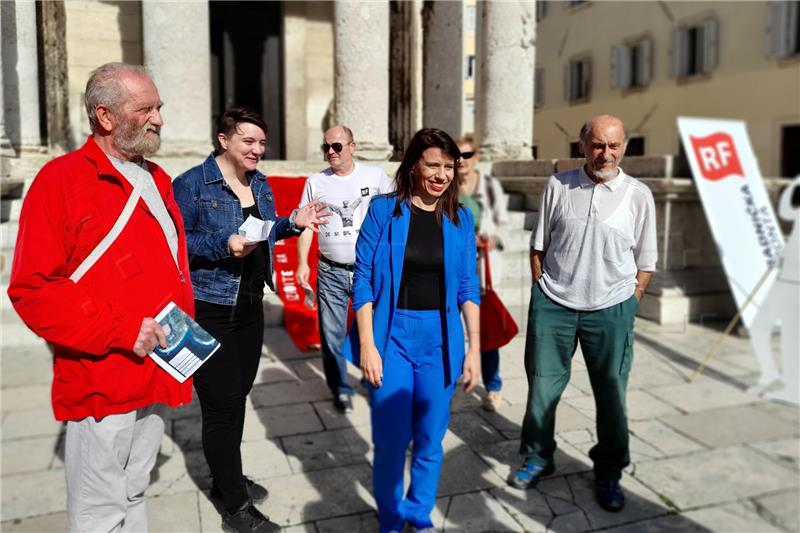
380 251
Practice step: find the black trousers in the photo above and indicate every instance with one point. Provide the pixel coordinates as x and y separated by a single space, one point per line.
223 383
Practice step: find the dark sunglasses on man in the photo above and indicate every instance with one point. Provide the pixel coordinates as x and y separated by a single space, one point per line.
467 155
337 147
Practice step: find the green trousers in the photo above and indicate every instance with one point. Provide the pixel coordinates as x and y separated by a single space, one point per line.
606 338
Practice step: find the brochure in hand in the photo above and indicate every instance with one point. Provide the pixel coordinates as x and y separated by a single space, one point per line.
188 345
255 230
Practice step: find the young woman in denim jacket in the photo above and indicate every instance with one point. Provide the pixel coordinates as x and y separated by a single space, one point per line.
228 276
415 275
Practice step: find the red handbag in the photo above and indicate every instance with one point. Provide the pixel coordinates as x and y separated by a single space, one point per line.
497 324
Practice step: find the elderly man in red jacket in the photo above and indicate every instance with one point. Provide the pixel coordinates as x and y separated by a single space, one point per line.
98 313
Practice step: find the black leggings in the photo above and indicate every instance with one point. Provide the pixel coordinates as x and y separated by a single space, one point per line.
223 383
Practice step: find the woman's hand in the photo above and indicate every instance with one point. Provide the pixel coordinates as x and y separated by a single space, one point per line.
472 369
371 364
312 215
237 246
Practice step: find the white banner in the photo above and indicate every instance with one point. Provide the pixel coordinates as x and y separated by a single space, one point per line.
736 204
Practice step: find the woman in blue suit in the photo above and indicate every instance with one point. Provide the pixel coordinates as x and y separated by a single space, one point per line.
415 270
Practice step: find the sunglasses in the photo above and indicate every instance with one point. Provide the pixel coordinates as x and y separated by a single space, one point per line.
467 155
337 147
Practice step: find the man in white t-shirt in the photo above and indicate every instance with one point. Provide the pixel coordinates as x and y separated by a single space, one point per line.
592 255
346 188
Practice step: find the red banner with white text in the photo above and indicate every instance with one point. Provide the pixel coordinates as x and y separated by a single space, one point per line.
300 321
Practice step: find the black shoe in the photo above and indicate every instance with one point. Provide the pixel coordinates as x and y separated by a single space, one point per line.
248 519
343 403
257 493
609 495
528 474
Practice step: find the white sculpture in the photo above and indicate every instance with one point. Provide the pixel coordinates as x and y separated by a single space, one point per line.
782 307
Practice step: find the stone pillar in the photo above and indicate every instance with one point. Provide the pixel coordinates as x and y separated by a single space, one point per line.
361 43
177 55
443 70
504 95
21 76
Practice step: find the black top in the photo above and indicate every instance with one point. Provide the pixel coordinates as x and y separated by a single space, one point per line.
423 264
254 265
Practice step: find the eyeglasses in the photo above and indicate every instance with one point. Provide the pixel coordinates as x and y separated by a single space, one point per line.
467 155
337 147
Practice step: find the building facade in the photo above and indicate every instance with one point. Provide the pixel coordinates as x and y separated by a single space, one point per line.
650 62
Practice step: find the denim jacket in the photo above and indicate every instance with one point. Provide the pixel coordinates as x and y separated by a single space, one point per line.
211 214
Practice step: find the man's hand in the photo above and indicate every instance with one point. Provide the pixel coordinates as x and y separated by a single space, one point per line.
301 273
312 215
487 241
472 369
639 293
371 364
238 248
150 334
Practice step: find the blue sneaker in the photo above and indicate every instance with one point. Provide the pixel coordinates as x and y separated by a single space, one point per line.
528 474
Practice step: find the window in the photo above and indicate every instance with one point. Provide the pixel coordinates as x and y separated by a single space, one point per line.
632 64
694 49
575 149
541 9
635 146
790 151
469 68
783 29
535 152
578 80
576 2
469 17
538 87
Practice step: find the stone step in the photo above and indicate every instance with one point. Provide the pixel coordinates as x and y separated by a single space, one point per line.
14 330
516 219
515 240
273 310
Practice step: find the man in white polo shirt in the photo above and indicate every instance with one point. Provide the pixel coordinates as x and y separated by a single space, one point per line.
592 255
346 188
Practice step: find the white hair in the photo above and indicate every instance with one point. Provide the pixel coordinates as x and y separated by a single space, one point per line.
105 88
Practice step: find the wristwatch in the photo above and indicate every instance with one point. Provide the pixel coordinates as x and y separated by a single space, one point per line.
292 218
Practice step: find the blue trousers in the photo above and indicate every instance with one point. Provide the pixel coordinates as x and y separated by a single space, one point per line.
490 370
334 289
413 404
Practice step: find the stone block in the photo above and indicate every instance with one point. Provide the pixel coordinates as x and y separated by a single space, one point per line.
536 167
782 509
26 423
646 166
569 164
360 523
333 419
529 508
663 437
641 406
727 426
274 422
265 461
26 397
173 512
327 449
715 476
179 472
478 512
472 428
321 495
36 524
288 392
33 494
32 455
464 471
782 451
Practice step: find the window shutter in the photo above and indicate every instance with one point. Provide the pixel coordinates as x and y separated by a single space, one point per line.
677 52
790 20
773 33
586 78
541 9
710 44
568 81
538 87
625 67
620 59
645 59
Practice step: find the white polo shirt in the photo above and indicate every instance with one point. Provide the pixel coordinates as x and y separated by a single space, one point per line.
595 238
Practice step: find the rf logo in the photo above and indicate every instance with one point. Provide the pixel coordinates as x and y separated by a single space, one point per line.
716 156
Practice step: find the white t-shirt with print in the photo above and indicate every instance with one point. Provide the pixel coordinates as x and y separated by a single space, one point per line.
348 198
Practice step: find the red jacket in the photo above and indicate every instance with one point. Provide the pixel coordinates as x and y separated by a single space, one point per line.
93 325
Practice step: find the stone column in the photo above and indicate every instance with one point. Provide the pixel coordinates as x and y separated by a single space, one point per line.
504 96
21 76
443 70
361 43
177 55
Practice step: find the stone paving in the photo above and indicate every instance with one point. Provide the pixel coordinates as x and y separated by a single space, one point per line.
707 456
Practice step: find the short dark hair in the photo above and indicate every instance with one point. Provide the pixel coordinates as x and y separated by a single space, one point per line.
231 118
404 177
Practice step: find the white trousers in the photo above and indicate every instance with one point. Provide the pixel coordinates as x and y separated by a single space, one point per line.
107 464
